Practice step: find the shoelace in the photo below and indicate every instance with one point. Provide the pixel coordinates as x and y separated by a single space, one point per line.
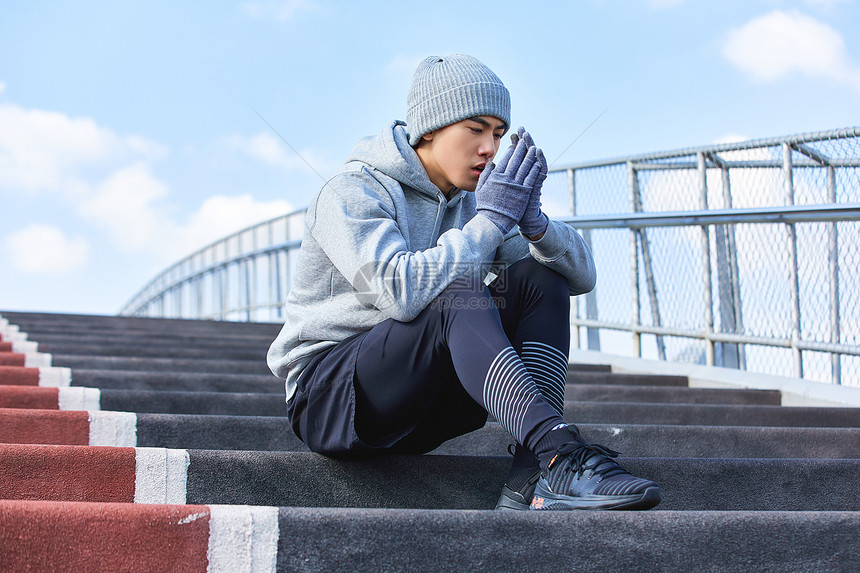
583 453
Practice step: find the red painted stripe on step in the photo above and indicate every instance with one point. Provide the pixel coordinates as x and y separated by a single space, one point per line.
44 427
5 347
29 397
11 359
67 473
17 376
48 536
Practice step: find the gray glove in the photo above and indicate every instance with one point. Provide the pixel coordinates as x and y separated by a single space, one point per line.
504 190
533 221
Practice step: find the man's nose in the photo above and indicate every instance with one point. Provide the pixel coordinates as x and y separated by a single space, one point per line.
488 147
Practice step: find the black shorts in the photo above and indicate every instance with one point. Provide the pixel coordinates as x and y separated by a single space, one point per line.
322 411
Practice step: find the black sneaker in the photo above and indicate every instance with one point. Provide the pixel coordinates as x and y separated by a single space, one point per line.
521 498
583 476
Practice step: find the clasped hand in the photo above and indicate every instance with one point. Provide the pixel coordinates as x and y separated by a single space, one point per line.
508 193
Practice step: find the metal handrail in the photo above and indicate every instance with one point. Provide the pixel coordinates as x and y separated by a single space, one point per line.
814 136
800 214
813 178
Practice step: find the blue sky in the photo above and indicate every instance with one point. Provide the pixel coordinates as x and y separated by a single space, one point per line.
130 134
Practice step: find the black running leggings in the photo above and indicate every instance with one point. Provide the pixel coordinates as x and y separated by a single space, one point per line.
506 345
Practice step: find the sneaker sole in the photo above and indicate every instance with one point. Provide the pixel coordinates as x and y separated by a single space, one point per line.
645 500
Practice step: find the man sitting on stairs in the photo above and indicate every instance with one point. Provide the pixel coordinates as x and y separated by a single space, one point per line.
431 290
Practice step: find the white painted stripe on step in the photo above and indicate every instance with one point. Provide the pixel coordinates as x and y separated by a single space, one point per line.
10 335
37 360
79 398
24 346
118 429
55 377
160 475
10 330
243 538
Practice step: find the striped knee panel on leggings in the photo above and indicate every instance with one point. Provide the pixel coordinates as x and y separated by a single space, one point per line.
548 368
508 391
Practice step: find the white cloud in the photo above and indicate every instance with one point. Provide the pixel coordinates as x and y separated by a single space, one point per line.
102 176
43 249
780 43
280 10
46 150
2 87
123 204
106 180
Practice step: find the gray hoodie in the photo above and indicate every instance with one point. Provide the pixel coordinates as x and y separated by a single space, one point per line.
381 241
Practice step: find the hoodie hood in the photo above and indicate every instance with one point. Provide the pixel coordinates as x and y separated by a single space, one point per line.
390 153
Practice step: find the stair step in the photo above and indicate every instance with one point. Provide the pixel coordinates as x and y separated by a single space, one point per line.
685 441
10 359
217 382
435 481
585 367
257 404
624 379
711 414
216 339
161 364
187 431
91 473
253 377
226 403
177 381
153 537
171 350
65 323
669 395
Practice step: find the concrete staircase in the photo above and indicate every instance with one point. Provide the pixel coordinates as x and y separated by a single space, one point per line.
148 444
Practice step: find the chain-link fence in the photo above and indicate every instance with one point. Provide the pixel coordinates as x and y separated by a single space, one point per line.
745 255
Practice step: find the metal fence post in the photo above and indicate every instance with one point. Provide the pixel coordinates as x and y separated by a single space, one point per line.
794 280
706 262
252 280
633 184
833 264
223 291
728 284
198 294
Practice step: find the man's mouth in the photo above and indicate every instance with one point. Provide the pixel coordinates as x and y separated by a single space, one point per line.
479 168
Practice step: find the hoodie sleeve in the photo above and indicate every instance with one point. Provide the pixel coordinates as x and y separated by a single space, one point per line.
353 221
563 250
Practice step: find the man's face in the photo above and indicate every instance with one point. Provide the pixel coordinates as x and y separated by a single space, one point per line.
455 155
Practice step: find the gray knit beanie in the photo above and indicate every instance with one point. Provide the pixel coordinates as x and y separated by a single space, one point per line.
448 89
